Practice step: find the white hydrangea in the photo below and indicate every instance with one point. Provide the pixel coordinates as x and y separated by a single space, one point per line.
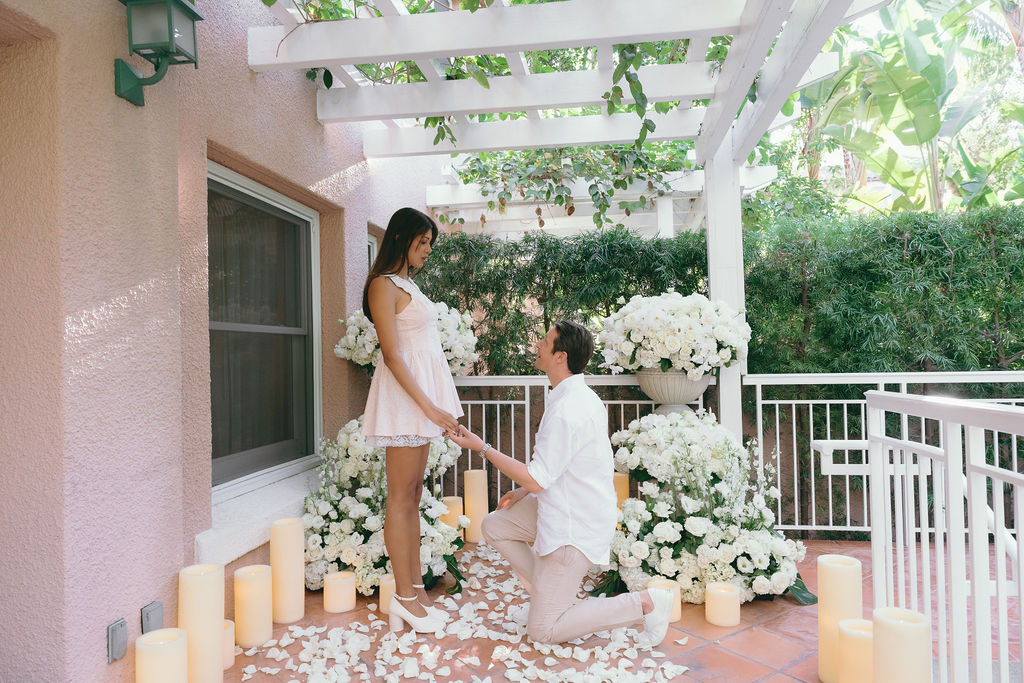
361 346
353 488
672 331
700 517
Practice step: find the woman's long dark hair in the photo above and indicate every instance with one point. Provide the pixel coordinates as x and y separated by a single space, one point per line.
405 227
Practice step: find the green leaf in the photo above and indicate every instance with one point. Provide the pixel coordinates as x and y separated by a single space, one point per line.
478 74
1013 110
620 70
960 113
799 592
917 57
269 3
328 79
666 365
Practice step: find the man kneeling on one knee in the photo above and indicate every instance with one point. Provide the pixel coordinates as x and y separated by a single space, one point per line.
566 506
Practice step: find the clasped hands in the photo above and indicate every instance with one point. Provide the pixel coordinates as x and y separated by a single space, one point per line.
465 438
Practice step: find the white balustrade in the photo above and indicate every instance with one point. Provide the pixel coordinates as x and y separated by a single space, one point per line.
945 539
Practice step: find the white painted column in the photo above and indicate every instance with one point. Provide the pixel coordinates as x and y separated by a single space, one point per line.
725 263
665 227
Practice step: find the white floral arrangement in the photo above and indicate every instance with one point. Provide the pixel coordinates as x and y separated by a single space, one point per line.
361 346
673 332
700 518
344 516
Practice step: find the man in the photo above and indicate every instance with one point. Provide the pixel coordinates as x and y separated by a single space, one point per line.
567 507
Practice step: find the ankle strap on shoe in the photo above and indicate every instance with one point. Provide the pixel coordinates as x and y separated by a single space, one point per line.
417 585
409 599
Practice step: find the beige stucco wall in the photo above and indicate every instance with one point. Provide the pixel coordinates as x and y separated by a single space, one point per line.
105 359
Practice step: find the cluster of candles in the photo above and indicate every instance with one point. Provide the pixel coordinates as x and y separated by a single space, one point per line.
202 647
893 647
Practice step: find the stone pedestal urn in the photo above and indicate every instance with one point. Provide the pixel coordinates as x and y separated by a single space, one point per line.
672 389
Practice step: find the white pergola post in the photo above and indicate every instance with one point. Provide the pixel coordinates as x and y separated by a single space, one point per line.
725 263
664 207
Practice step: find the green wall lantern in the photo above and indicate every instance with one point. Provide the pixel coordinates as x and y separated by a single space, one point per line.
163 32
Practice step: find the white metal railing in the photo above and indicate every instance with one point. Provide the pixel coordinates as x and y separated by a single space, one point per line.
821 489
949 542
826 489
509 422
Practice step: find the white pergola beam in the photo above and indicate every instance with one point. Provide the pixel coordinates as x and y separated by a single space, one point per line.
797 48
567 131
557 90
859 8
468 197
759 27
574 222
523 27
281 10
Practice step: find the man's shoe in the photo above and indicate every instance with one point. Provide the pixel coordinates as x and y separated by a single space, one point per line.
656 621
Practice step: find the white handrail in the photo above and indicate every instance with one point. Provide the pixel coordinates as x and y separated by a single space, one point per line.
853 378
956 542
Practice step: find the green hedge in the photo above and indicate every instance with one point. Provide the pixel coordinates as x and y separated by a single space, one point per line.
914 291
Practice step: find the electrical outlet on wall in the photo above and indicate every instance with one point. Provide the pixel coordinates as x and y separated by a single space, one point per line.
152 616
117 640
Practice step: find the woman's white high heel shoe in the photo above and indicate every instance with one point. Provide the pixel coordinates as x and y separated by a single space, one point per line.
433 609
398 614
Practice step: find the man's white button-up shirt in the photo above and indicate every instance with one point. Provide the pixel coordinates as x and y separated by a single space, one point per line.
572 461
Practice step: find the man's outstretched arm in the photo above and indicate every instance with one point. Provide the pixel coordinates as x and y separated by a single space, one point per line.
513 469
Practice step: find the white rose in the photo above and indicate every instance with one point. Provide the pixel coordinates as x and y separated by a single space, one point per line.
640 549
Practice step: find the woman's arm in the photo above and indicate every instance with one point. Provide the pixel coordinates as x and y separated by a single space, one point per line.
384 298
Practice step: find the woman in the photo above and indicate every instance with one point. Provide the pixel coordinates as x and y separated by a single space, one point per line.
412 400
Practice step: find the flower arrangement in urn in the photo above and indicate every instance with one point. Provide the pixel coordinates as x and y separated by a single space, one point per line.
361 346
344 516
673 332
700 518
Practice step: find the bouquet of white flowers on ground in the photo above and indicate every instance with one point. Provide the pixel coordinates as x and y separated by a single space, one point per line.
344 516
699 519
360 344
673 332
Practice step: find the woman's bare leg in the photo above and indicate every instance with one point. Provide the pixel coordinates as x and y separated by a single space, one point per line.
404 468
414 531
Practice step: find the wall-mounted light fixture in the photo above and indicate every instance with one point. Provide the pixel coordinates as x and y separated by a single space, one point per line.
163 32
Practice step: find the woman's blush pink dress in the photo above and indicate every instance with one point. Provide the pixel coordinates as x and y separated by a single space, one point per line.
392 418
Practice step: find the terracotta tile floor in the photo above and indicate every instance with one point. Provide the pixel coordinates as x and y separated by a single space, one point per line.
776 640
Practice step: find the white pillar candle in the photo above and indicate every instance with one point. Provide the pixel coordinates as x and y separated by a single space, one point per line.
201 614
161 656
254 614
287 548
840 596
474 484
387 589
339 591
455 510
902 646
229 644
621 486
722 604
669 585
855 651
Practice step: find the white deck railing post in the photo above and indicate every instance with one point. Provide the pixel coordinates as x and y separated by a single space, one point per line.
981 591
956 492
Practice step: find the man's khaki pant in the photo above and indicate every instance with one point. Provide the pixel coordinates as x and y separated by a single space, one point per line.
554 580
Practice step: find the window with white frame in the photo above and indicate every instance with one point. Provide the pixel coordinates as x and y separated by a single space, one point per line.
371 250
264 379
